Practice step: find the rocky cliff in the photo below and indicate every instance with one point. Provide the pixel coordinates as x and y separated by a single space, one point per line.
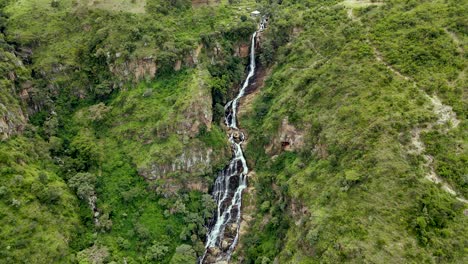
12 91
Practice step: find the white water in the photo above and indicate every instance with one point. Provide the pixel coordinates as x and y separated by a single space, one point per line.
224 233
230 118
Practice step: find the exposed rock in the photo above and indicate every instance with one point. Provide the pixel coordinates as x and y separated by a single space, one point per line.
252 91
225 244
177 65
13 117
231 230
213 255
192 58
296 31
24 53
298 211
321 150
190 161
237 136
289 138
95 254
92 204
146 68
194 161
135 69
199 112
242 50
12 121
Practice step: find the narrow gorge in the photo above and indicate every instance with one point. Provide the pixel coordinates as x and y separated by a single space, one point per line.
233 131
224 228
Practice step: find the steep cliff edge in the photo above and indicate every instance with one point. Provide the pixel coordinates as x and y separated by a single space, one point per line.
13 92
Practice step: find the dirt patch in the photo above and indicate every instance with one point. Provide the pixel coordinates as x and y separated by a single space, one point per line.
456 40
360 3
200 3
131 6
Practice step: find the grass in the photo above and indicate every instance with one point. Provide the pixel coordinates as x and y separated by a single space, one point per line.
131 6
114 133
329 83
39 215
363 197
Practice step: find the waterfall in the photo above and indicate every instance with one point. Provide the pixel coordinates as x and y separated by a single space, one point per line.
231 181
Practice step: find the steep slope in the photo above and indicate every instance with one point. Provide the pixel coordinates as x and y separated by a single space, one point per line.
39 214
13 82
112 134
332 135
121 104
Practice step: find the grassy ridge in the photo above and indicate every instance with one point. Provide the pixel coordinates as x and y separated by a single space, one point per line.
354 191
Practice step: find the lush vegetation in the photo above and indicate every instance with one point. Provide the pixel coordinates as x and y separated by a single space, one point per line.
39 214
125 100
354 83
71 186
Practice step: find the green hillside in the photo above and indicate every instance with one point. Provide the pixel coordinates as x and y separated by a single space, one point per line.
112 132
359 83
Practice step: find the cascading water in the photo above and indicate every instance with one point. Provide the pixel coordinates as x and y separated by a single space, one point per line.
224 232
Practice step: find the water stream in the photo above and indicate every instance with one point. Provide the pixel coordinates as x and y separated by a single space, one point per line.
223 233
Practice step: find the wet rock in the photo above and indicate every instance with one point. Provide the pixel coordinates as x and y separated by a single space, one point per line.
231 230
214 251
237 136
225 245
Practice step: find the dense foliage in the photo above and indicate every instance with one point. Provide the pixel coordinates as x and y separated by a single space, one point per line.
353 79
99 121
111 101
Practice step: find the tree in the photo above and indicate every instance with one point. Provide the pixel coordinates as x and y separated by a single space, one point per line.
98 112
85 150
51 126
209 206
184 254
156 252
83 184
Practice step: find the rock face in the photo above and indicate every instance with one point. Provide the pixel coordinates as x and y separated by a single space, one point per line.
198 112
241 50
14 94
11 121
146 68
135 69
171 177
190 161
193 115
289 138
